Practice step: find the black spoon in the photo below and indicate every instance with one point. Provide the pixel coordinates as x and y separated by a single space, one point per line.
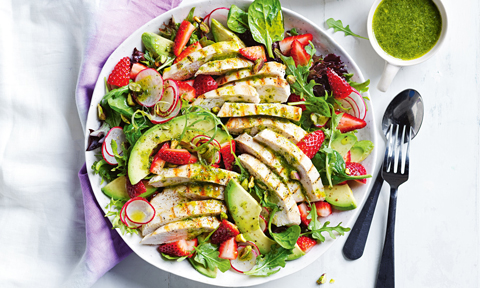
405 109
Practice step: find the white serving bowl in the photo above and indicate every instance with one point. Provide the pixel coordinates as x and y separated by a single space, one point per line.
325 44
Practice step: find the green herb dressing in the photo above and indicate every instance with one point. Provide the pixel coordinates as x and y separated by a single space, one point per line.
407 29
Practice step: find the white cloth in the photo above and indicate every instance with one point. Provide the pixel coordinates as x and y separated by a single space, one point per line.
41 141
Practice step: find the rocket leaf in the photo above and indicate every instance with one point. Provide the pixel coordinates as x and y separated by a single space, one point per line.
338 26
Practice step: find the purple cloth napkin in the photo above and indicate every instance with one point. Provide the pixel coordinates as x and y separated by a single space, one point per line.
113 23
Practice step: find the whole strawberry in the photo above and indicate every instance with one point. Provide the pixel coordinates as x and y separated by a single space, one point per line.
203 84
340 88
311 143
121 73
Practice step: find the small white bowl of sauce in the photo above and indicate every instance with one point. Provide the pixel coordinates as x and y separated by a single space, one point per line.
405 33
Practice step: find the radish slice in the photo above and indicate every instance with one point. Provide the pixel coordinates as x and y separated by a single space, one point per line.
357 104
262 223
116 133
157 119
152 87
265 213
109 158
169 99
244 265
125 220
250 243
139 211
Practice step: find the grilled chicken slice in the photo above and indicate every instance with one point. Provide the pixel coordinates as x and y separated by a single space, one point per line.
201 191
192 173
246 109
184 229
270 89
269 69
277 163
163 204
188 66
183 211
254 124
289 214
220 67
309 176
216 98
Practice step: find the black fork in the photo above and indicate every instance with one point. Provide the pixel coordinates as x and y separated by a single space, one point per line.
396 156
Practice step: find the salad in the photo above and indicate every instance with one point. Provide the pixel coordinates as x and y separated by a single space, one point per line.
230 145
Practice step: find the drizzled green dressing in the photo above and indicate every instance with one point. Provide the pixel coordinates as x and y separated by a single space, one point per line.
407 29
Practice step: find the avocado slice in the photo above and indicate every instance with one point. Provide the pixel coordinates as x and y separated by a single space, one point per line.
202 269
245 211
360 150
117 189
157 45
296 253
343 142
222 33
139 161
340 197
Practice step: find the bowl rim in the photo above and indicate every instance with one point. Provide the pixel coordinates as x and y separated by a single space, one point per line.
293 266
400 62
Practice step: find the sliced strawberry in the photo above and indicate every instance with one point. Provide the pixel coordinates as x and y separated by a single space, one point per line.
158 163
120 75
311 143
349 123
193 159
356 169
225 231
175 156
323 208
253 53
178 248
226 151
135 190
295 98
192 48
203 84
189 82
228 249
299 55
347 157
306 243
340 87
186 91
286 44
136 68
304 210
183 35
190 246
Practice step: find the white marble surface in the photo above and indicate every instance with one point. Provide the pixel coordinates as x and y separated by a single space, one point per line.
437 230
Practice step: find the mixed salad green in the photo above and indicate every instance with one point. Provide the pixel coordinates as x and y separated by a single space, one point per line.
176 174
